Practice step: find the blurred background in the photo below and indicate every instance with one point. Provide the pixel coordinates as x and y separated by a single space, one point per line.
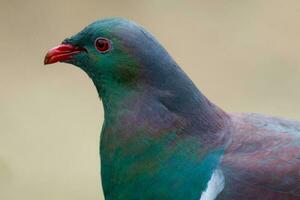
243 55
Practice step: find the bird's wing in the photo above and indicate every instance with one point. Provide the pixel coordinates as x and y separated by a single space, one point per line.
263 159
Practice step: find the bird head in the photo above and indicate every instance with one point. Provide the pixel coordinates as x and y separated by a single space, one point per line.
111 51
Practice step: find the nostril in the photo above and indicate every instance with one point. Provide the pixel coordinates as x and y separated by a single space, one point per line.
84 49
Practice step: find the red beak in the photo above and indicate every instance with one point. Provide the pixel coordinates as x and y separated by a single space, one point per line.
61 53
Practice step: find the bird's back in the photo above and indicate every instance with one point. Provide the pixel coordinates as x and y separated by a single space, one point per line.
263 159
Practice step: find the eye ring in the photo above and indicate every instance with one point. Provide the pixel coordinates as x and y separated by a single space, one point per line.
103 45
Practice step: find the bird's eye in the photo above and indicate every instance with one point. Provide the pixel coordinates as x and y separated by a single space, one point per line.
103 45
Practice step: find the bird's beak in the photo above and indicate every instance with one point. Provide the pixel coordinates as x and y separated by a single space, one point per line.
61 53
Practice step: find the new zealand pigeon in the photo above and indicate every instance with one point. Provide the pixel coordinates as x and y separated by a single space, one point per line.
162 139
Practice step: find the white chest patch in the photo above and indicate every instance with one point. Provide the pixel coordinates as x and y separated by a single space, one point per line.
214 187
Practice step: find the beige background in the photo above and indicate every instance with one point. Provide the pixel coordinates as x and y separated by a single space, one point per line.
244 55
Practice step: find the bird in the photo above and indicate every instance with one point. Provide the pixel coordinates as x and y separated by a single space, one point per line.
162 138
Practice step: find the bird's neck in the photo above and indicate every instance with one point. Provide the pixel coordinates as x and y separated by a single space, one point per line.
176 96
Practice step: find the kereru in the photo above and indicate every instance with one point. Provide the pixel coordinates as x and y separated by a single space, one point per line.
162 139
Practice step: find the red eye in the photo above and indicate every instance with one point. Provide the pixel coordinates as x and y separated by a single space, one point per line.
103 45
